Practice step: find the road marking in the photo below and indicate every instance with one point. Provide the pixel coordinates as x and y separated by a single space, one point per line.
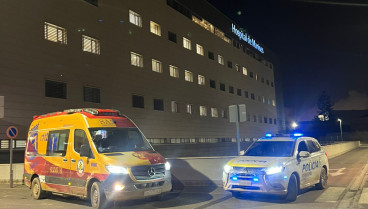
364 197
331 194
338 172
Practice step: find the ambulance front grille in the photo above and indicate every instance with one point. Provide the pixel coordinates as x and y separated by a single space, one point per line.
148 172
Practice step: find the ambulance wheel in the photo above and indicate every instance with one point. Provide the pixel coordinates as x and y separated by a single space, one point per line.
322 180
97 196
292 190
37 192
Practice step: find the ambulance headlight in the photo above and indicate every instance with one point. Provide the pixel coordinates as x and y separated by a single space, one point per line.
167 166
274 170
227 168
116 169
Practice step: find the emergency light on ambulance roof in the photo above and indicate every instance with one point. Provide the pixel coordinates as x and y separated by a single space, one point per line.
297 134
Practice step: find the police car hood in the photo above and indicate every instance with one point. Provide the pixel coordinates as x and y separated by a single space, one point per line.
259 162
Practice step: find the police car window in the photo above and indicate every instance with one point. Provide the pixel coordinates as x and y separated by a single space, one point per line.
302 147
80 138
57 143
311 146
318 146
271 149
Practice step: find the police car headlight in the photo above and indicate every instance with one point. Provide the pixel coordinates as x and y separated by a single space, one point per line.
116 169
227 168
274 170
167 166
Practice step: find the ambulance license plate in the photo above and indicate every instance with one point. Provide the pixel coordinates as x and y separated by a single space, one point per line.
152 192
245 183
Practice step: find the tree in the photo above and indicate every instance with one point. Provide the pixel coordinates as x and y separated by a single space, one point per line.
324 105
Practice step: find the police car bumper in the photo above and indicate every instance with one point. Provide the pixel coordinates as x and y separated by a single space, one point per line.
121 190
268 184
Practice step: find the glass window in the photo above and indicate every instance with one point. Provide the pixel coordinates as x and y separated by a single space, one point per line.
55 89
91 94
252 96
211 55
174 71
156 66
237 68
201 80
172 36
312 146
136 59
90 45
57 143
212 84
246 94
214 112
80 138
200 50
220 59
174 106
55 33
189 108
202 110
222 87
229 64
239 92
155 28
188 76
158 104
138 101
271 149
302 147
273 103
223 113
231 89
187 43
135 18
245 71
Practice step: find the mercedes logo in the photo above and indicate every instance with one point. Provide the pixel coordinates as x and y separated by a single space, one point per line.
151 172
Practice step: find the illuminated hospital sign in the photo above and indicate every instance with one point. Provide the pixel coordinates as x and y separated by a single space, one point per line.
245 37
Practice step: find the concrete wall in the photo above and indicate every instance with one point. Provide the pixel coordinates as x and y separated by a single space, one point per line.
341 148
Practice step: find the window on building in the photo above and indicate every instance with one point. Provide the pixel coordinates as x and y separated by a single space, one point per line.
135 18
172 36
252 96
201 80
271 83
259 99
239 92
136 59
214 112
156 66
174 106
55 89
90 44
222 87
211 55
237 68
155 28
265 120
270 120
220 59
187 43
189 108
137 101
254 118
246 94
251 74
256 77
268 101
202 110
91 94
57 142
200 50
158 104
262 80
273 103
223 114
188 76
213 84
174 71
263 99
93 2
259 119
231 89
274 121
267 82
55 33
245 71
229 64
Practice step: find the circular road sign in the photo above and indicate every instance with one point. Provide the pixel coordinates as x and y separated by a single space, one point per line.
12 132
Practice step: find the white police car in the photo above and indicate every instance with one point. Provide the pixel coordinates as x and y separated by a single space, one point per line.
278 165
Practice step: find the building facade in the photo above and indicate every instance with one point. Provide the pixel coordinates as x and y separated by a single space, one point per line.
162 64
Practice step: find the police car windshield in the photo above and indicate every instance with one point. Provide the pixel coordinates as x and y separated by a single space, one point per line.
271 149
119 140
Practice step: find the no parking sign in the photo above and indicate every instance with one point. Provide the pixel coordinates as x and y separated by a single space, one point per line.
12 132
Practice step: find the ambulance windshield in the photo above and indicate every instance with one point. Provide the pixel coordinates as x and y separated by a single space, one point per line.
271 149
119 140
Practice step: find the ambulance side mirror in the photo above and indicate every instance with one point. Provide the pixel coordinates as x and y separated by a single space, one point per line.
85 151
304 154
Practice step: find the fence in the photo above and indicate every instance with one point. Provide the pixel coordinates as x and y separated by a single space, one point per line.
17 144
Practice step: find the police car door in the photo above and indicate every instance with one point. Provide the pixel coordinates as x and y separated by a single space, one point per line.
304 165
316 155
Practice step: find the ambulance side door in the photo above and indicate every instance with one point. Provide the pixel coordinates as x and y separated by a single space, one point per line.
80 166
303 165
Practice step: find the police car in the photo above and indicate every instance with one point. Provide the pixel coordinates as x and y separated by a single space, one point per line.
280 165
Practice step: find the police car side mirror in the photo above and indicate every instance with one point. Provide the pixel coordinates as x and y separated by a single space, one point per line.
85 151
242 152
304 154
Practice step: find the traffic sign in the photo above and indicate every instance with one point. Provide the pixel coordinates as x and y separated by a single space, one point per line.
12 132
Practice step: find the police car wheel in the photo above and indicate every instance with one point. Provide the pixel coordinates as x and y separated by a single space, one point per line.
322 179
97 196
236 194
37 192
292 190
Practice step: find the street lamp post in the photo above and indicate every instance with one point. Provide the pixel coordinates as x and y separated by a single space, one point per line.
294 125
340 121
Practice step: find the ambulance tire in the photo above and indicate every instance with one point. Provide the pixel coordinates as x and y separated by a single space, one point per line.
97 196
37 192
292 190
322 180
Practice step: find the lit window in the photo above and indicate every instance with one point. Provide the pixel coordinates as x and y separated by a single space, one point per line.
256 77
237 68
90 44
187 44
263 99
155 28
223 113
135 18
220 59
174 106
156 66
201 80
200 50
188 76
273 103
55 33
174 71
268 101
245 71
202 110
189 108
136 59
214 112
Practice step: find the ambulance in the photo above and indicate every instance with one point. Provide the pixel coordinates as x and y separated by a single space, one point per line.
279 165
94 154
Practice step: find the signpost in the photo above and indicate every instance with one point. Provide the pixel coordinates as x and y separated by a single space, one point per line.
11 132
237 114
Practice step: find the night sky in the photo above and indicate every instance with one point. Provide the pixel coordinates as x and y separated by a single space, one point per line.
322 46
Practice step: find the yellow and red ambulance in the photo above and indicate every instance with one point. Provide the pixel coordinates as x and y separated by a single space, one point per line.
95 154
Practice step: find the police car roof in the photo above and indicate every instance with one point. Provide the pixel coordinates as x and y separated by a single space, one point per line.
283 138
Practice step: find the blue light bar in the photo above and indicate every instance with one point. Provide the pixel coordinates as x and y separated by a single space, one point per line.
298 134
234 178
268 135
